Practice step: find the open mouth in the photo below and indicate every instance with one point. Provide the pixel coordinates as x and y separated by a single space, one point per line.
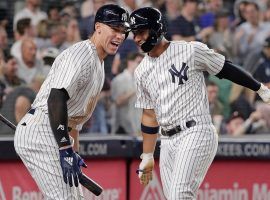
115 44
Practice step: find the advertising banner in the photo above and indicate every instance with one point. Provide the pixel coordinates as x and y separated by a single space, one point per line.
226 180
17 184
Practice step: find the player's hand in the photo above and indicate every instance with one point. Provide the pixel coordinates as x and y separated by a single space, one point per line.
71 164
145 171
264 93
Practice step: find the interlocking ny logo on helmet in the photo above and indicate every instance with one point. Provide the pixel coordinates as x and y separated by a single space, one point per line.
112 15
148 18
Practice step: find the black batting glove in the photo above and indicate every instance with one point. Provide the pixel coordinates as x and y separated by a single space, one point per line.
71 164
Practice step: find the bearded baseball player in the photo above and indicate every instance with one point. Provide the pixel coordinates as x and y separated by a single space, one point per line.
65 101
172 93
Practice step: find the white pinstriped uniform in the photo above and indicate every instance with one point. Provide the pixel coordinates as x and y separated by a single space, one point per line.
78 70
185 156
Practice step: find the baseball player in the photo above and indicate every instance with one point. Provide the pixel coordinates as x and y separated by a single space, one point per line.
64 102
172 93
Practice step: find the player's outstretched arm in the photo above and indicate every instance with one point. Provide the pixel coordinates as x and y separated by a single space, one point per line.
150 129
237 75
69 160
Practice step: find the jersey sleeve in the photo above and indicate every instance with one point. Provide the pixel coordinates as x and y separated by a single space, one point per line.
206 59
70 73
143 96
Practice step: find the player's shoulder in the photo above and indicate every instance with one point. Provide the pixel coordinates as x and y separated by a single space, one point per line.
82 49
142 66
191 44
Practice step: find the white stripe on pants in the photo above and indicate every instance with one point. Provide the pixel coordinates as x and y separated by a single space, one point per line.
185 159
36 146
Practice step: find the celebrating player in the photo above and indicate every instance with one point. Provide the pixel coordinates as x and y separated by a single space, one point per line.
65 101
172 92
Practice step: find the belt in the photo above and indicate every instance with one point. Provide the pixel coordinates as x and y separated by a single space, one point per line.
32 111
177 129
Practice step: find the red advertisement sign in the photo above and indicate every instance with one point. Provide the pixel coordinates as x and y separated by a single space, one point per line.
17 184
226 180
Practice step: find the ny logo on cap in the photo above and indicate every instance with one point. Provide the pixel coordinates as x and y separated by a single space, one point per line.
132 20
124 17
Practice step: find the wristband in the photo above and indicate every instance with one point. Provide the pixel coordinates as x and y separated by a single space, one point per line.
149 130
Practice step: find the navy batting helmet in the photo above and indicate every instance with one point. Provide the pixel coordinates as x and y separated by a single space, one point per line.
112 15
151 19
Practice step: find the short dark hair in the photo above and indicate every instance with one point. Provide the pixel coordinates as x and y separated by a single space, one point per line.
130 57
22 24
235 115
186 1
255 5
267 42
133 56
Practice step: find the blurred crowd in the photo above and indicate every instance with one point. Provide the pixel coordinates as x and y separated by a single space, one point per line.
33 33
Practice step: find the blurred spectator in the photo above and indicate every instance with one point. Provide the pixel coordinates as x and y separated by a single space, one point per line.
28 65
18 102
53 13
266 14
264 109
41 39
2 86
86 24
237 126
144 3
239 12
257 63
222 38
171 13
10 79
31 10
4 21
24 30
127 117
213 7
73 32
2 61
224 88
184 26
87 8
251 34
3 40
49 56
262 73
98 121
57 36
69 10
128 46
242 105
215 106
129 5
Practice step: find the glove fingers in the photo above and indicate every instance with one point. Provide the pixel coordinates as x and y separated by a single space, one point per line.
76 180
70 181
65 177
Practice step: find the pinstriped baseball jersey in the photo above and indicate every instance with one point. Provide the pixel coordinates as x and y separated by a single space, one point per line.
173 83
79 71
